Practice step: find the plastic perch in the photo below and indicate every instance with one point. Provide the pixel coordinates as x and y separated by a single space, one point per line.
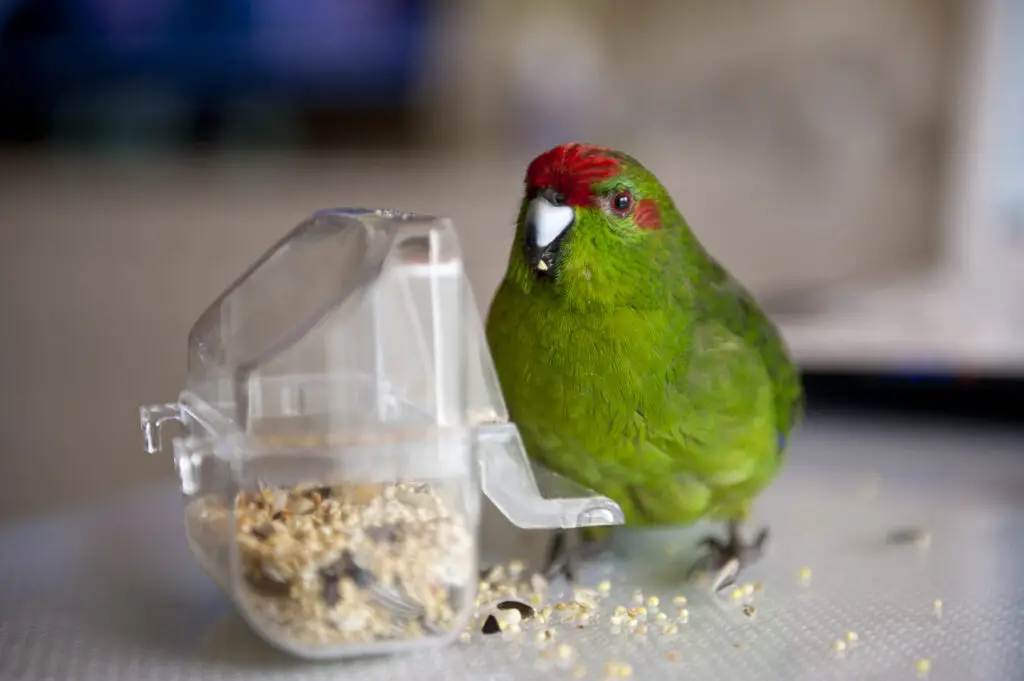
508 480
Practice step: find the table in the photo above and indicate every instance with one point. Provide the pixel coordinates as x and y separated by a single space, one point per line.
111 591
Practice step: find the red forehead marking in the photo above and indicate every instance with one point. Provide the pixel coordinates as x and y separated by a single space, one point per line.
572 169
646 215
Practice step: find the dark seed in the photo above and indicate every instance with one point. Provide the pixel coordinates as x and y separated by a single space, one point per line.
331 592
346 566
491 625
383 534
263 530
363 578
525 610
906 535
279 515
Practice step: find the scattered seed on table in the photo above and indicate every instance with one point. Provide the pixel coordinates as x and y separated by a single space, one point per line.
909 535
508 617
525 611
726 576
493 574
620 669
585 597
491 625
538 583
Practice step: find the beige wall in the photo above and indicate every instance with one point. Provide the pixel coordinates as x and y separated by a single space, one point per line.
789 120
105 266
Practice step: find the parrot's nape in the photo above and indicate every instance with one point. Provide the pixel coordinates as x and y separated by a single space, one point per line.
631 361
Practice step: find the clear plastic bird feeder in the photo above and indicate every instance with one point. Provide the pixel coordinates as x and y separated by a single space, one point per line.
341 416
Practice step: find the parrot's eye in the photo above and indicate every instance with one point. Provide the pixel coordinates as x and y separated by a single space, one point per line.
622 203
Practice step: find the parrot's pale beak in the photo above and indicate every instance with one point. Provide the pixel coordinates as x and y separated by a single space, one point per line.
547 221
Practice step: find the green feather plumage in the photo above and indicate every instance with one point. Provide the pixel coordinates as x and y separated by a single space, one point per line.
644 370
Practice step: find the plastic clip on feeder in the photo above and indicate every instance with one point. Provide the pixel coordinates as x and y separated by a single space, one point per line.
341 416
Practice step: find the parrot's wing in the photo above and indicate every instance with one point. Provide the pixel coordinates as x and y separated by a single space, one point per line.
739 312
719 444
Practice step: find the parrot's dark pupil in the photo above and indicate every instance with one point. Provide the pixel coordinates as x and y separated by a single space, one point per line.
622 202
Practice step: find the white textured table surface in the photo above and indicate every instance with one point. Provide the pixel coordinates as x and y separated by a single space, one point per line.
112 591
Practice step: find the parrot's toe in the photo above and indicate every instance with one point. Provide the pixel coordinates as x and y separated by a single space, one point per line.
727 558
564 556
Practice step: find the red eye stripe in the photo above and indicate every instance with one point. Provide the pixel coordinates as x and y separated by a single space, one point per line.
573 169
647 215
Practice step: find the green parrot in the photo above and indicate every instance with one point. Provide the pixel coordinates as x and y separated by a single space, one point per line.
632 362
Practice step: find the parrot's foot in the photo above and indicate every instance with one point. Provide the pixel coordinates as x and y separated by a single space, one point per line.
727 558
564 559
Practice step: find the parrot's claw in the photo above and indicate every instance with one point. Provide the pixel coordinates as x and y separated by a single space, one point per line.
564 559
727 558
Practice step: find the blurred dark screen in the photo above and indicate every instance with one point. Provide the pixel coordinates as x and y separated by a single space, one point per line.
187 72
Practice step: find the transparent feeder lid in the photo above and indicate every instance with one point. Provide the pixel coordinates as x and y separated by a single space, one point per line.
359 330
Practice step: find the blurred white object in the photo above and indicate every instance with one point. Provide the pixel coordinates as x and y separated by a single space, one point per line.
968 313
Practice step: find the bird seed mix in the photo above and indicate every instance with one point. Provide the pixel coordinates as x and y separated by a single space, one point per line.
345 564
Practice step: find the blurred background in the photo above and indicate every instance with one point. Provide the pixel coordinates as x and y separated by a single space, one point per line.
860 165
